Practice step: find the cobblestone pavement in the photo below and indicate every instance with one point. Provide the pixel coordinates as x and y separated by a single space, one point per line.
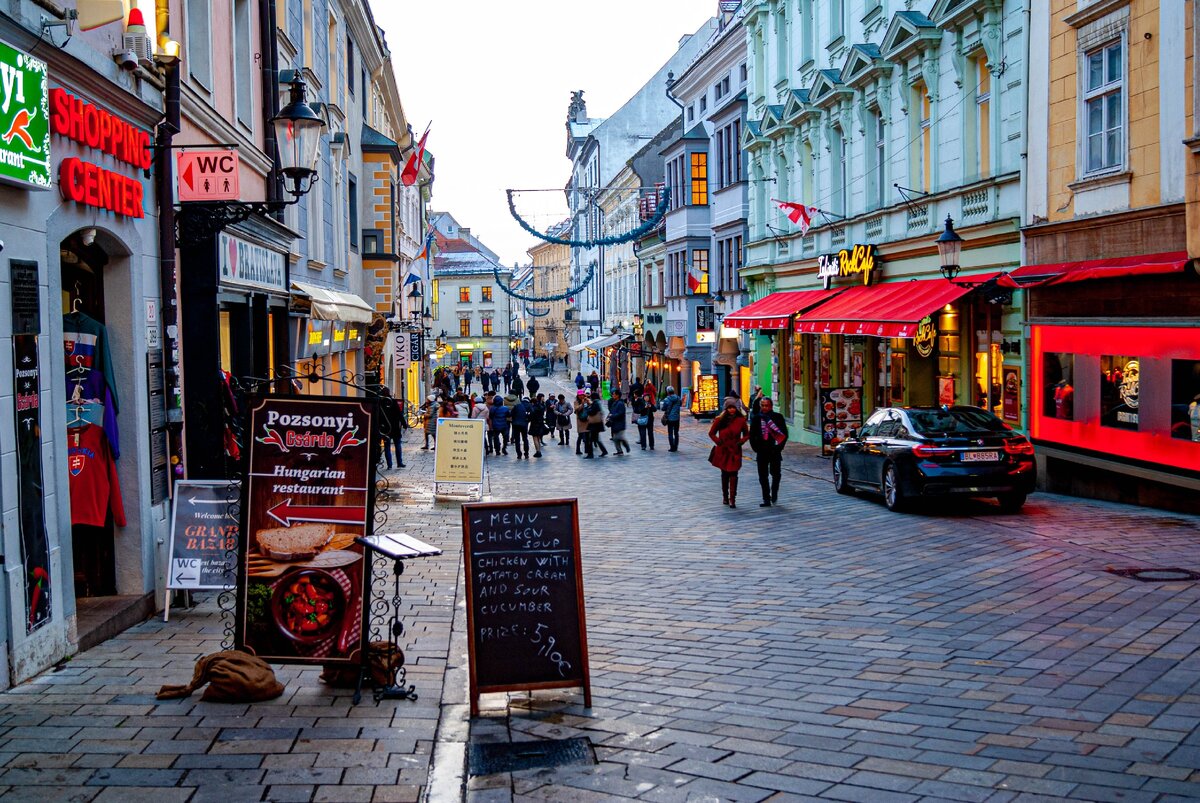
821 649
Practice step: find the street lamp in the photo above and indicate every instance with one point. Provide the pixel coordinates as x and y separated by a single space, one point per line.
949 247
298 131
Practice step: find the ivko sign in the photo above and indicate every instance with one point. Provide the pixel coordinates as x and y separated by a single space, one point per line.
848 262
24 112
87 183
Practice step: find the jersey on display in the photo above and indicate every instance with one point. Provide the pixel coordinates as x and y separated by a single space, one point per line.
94 485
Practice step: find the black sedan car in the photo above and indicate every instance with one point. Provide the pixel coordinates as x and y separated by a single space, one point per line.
907 453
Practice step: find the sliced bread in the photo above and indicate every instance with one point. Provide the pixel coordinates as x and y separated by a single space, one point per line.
298 542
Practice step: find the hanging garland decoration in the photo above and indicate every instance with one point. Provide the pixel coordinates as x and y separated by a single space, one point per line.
574 291
532 313
636 234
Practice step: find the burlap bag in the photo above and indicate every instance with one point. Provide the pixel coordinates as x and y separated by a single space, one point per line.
232 677
380 671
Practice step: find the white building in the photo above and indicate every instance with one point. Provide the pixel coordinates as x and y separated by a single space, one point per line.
471 313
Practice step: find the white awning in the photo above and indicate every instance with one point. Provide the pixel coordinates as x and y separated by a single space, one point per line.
334 305
597 343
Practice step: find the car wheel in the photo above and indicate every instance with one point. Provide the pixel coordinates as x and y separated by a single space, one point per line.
840 483
1011 503
893 497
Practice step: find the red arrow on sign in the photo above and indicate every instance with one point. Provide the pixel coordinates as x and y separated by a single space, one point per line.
286 513
187 175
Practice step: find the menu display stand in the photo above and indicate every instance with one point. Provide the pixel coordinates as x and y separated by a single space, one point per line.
397 547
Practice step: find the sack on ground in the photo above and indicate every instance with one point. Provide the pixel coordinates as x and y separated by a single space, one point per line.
232 676
380 673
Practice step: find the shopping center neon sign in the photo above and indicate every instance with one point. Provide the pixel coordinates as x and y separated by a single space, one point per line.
90 184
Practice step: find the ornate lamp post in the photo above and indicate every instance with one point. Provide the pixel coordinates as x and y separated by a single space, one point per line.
949 247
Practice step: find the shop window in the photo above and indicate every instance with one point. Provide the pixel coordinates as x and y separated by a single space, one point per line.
1058 377
1185 400
1120 383
226 336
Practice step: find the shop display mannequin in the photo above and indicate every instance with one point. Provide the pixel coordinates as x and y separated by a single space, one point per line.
1064 400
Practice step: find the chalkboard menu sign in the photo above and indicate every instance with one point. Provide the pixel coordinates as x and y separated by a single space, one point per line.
525 617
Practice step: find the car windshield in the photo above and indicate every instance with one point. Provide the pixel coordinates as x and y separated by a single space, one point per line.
929 422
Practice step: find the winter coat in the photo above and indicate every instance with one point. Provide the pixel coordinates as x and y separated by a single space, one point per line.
533 386
521 413
671 407
480 412
579 381
728 432
580 412
537 421
760 444
616 416
562 411
518 387
500 416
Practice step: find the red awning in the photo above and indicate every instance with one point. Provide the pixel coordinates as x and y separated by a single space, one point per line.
883 310
773 311
1060 272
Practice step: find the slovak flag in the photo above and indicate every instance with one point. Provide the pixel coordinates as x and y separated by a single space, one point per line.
694 278
799 214
413 167
420 266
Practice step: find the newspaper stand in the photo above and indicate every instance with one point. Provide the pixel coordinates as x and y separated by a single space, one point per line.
397 547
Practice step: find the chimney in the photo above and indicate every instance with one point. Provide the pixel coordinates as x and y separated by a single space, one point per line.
464 232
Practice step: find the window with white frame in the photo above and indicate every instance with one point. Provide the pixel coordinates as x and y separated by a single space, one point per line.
243 71
1104 108
199 44
838 168
879 171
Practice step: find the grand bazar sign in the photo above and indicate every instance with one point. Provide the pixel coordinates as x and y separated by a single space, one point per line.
848 262
95 128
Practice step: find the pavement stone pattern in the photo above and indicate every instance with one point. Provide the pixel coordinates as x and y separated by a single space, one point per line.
824 649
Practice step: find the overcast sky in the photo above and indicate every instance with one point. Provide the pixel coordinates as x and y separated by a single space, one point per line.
495 78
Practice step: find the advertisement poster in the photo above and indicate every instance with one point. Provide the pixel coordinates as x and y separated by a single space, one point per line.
707 400
1010 394
841 412
35 546
458 455
306 497
1120 389
204 535
856 369
946 390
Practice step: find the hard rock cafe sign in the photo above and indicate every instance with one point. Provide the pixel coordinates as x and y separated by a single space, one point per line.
859 260
925 337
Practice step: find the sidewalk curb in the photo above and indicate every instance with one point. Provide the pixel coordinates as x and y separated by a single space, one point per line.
447 780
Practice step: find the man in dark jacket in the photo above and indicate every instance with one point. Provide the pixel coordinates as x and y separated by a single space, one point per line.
768 436
522 411
616 422
672 407
517 386
532 386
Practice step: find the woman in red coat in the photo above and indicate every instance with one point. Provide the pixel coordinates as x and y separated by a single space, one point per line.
729 431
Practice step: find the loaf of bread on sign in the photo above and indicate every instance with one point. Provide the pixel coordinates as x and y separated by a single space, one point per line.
298 542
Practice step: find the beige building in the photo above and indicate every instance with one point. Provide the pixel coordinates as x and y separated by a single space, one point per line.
551 277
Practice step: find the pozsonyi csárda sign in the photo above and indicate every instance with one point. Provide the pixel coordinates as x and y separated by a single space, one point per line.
24 119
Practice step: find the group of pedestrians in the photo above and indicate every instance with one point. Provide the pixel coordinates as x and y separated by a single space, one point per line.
456 379
767 432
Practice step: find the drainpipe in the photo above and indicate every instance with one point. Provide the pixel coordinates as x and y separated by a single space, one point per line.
268 42
164 174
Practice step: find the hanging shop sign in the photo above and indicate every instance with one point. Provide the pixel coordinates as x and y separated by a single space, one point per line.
24 115
250 265
525 617
99 130
705 318
306 498
208 175
926 336
35 544
857 261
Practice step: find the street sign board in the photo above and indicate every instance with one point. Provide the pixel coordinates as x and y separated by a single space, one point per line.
204 534
458 454
525 618
208 175
24 119
306 498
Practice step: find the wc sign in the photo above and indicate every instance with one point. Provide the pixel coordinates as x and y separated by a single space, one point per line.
208 175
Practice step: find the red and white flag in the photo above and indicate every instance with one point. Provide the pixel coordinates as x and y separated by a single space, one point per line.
413 167
694 279
799 214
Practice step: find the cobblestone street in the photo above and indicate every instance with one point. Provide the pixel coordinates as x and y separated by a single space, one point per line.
823 649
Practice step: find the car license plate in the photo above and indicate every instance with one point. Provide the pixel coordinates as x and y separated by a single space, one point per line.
980 457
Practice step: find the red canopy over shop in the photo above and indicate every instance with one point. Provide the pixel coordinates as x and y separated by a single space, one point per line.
773 311
1120 267
882 310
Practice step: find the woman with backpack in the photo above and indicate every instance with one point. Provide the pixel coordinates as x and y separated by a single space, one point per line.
728 431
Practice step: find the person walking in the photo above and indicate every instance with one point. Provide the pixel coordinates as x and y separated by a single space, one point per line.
393 426
594 383
499 428
468 378
756 397
728 432
519 420
538 428
595 427
430 409
635 388
479 412
532 386
581 430
643 412
768 436
562 420
507 377
579 380
518 387
672 407
616 422
496 379
651 394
